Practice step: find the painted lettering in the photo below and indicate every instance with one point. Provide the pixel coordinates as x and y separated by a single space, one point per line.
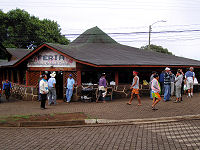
61 57
50 57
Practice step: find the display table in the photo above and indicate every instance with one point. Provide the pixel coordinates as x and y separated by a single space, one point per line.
88 94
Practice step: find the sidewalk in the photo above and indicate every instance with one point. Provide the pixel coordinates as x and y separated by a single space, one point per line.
113 110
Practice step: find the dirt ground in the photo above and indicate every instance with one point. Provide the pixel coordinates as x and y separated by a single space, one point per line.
16 119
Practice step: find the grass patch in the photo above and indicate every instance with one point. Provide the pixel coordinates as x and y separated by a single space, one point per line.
52 115
21 116
3 121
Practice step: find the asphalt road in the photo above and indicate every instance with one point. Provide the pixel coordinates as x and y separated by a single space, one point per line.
183 135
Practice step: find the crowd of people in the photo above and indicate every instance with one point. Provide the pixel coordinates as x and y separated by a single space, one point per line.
47 89
166 84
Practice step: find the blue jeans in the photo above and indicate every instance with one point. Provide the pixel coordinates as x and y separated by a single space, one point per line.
69 93
151 94
167 92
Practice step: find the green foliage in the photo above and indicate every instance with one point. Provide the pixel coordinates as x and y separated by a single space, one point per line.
156 48
19 30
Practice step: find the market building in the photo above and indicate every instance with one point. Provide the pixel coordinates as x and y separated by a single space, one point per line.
92 53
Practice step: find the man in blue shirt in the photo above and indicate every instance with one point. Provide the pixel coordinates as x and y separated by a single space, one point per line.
52 89
7 89
70 88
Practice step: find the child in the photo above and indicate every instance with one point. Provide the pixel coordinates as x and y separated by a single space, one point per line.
155 86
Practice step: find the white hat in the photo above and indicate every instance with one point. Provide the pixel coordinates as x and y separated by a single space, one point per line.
167 68
53 74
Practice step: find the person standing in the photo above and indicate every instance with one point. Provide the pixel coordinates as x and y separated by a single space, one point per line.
7 89
70 88
135 89
52 89
172 80
178 84
189 77
151 78
155 86
167 84
43 90
161 81
183 82
102 89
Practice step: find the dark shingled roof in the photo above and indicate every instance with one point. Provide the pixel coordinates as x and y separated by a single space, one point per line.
18 52
96 47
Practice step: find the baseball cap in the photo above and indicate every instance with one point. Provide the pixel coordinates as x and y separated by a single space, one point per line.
70 75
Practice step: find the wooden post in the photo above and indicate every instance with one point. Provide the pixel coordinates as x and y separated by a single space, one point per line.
27 78
18 77
116 78
3 73
12 76
78 77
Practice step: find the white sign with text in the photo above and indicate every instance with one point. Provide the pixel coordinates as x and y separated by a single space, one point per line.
49 58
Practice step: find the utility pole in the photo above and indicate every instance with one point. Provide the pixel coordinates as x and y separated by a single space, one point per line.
149 37
150 29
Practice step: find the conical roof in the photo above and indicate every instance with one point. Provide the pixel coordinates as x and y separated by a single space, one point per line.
93 35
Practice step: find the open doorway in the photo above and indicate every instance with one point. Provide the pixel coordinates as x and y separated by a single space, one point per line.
59 84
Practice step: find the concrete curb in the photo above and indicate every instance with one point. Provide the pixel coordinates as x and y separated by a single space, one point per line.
100 122
50 123
140 121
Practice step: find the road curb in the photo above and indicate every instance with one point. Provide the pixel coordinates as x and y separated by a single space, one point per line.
145 120
100 122
50 123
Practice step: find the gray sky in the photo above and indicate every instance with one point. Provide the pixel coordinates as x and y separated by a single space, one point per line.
124 16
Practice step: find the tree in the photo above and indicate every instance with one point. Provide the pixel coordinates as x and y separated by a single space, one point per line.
156 48
21 30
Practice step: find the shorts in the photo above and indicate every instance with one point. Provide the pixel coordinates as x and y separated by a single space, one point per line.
190 85
155 95
135 91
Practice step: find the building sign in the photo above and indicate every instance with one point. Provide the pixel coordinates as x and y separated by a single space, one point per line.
49 58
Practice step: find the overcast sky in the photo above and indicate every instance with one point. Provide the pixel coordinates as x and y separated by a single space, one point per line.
124 16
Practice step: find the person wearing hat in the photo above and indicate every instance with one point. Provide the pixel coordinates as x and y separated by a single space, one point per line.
70 88
135 89
52 89
167 84
102 90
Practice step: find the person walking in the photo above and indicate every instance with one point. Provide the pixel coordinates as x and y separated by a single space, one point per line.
7 89
189 77
70 88
151 78
102 89
135 89
52 89
155 86
178 84
43 90
167 84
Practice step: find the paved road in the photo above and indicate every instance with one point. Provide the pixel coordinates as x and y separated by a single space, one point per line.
116 109
184 135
